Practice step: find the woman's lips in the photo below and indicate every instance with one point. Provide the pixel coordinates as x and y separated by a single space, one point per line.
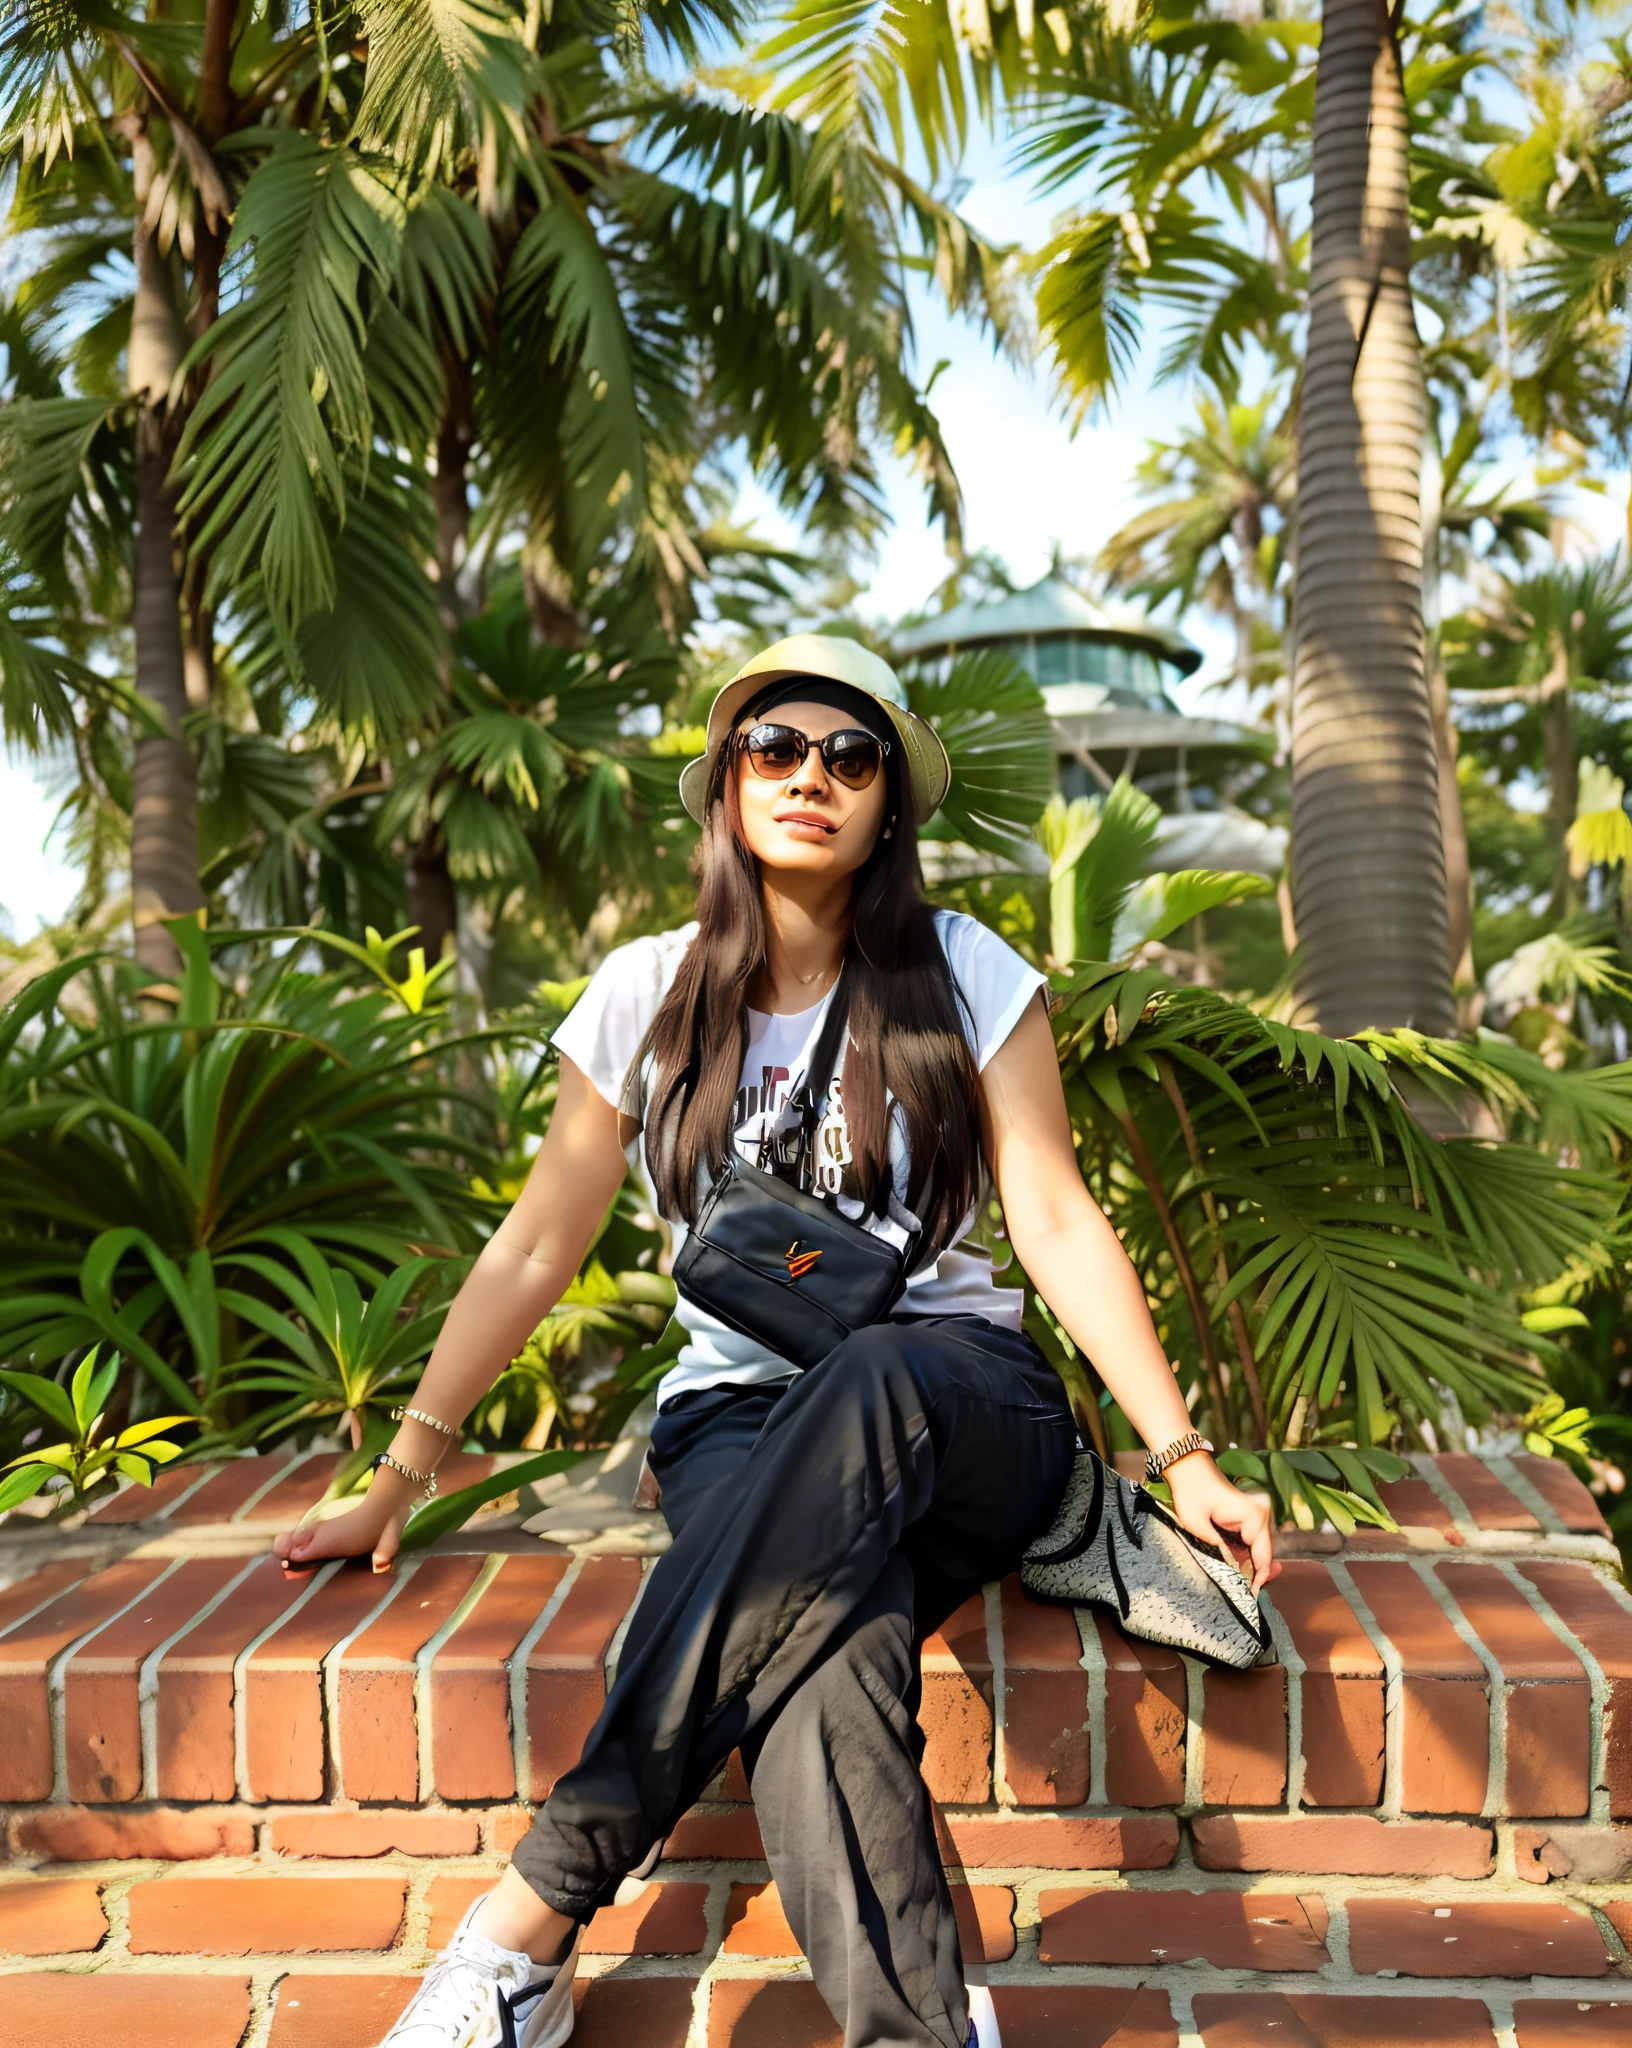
798 821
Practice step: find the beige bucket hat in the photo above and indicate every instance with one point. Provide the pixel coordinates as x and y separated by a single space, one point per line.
929 772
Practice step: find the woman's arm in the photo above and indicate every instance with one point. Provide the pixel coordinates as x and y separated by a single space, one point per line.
1075 1260
524 1269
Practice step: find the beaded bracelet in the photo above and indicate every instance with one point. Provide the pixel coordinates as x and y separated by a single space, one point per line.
419 1415
425 1479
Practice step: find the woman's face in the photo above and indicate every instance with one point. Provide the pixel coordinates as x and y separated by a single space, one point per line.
807 822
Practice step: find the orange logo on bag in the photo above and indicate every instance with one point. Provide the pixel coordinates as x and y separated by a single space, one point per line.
799 1263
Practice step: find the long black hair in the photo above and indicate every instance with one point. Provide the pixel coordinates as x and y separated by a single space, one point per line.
906 1035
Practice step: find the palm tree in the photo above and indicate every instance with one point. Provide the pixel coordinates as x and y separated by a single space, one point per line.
1466 522
1368 860
1217 522
1209 111
1539 642
111 120
496 289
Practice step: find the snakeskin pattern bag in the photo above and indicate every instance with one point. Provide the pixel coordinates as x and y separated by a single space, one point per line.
1112 1544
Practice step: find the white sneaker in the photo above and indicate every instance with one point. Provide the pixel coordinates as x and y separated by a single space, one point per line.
478 1995
982 2018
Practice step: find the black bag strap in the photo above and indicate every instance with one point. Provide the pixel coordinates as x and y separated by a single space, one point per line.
818 1076
806 1099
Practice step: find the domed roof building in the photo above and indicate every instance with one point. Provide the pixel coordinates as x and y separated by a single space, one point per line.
1104 666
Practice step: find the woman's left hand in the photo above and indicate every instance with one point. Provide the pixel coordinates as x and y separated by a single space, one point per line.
1214 1511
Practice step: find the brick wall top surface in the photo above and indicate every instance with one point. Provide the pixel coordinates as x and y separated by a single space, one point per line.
1435 1783
1454 1500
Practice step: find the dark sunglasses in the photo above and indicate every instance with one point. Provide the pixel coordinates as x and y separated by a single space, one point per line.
852 756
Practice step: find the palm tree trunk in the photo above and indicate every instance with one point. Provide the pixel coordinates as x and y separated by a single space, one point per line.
433 901
1563 776
164 787
1452 827
1368 859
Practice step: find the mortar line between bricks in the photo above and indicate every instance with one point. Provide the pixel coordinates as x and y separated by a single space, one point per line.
521 1735
1293 1665
414 1937
286 1468
1027 1881
56 1683
1337 1938
992 1608
263 2000
697 2032
1184 2018
1093 1662
1427 1467
1597 1692
614 1649
1195 1742
423 1657
1496 1769
240 1725
115 1944
1393 1691
1507 1471
147 1680
1177 1980
1499 2004
328 1683
1608 1932
205 1474
715 1901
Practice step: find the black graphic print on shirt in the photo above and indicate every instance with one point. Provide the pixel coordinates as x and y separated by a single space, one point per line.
758 1105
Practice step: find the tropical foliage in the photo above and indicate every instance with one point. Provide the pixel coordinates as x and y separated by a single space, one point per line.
380 377
181 1187
72 1468
1339 1253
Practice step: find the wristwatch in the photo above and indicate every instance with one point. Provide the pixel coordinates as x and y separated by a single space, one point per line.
1157 1462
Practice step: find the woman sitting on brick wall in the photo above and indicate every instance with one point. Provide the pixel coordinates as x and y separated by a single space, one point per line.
826 1521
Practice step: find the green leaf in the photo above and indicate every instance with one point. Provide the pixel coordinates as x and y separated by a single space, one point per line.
79 1390
1236 1463
51 1400
139 1432
1544 1321
993 723
451 1511
23 1485
264 452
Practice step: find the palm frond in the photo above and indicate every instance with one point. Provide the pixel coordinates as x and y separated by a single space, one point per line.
563 326
370 660
264 453
992 722
436 70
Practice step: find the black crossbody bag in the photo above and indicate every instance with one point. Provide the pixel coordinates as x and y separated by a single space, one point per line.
774 1261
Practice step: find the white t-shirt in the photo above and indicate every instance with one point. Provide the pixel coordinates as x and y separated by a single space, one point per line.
603 1032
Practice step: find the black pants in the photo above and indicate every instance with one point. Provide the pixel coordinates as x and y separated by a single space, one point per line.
822 1531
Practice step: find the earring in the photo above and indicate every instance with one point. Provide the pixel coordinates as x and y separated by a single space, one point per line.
889 830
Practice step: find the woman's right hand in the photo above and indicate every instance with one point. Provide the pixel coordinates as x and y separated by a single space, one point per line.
372 1529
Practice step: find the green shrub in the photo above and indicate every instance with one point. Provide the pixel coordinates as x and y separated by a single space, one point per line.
175 1185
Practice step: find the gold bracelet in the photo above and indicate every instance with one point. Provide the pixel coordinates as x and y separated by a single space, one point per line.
425 1479
1157 1462
419 1415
